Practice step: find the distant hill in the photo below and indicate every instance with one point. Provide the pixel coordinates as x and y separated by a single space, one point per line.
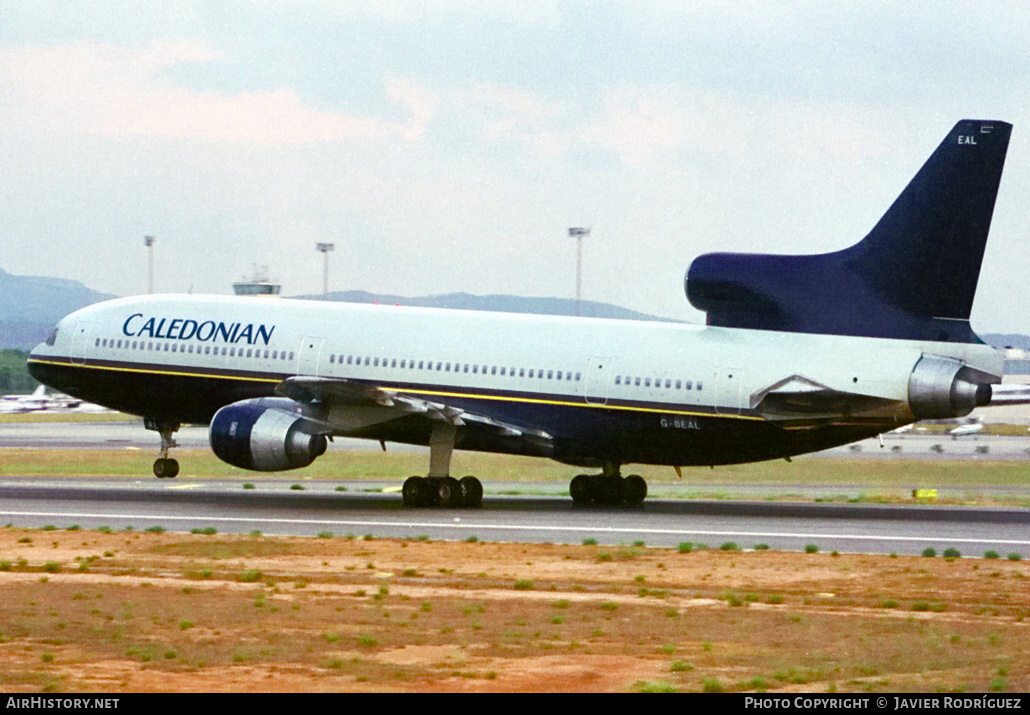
1007 340
30 305
496 303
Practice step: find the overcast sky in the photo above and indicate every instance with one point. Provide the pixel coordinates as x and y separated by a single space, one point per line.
447 145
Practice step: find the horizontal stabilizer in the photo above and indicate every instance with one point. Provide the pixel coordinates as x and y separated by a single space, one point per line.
1009 395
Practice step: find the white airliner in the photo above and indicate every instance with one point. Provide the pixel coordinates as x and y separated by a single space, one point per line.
800 353
38 401
13 404
972 426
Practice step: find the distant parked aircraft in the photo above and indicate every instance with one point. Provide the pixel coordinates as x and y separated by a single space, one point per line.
972 426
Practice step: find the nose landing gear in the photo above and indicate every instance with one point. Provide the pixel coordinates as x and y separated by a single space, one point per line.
164 466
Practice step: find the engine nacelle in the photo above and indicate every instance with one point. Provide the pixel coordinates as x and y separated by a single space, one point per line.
941 388
265 435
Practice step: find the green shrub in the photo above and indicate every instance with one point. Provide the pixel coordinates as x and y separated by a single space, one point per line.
929 552
1014 556
686 547
711 685
811 548
991 554
524 584
952 554
730 546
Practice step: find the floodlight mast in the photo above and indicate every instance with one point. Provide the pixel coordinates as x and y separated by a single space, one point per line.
148 241
324 249
578 234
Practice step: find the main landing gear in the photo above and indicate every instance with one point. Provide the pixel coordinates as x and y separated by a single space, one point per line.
442 491
439 488
164 466
608 488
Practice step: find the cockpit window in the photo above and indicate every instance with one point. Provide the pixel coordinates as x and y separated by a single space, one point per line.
52 338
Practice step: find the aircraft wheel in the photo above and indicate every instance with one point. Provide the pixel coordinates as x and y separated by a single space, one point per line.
471 491
634 490
448 492
165 468
412 491
579 489
609 491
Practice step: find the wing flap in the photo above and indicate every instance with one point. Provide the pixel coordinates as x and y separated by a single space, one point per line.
352 405
798 397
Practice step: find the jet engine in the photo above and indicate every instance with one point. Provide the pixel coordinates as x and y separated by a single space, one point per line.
941 388
266 435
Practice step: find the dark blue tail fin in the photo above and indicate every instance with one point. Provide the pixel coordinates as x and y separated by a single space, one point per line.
913 277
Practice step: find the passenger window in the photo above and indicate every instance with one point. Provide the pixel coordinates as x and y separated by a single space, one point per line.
578 374
393 363
678 383
403 363
699 386
350 359
636 381
618 380
647 382
550 374
332 359
493 370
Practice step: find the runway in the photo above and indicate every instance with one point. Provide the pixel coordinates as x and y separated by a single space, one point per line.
132 435
540 512
225 506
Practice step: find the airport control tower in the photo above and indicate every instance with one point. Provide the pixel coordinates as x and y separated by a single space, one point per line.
258 284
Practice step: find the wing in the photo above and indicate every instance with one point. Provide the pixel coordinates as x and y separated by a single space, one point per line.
800 398
347 406
1010 395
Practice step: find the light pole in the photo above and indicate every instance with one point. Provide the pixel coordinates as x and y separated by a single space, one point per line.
578 234
148 241
325 248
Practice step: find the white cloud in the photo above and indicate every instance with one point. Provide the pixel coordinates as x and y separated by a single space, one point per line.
118 91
